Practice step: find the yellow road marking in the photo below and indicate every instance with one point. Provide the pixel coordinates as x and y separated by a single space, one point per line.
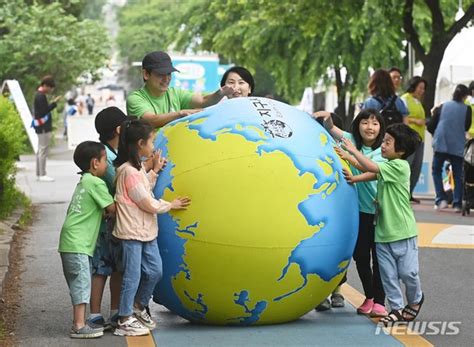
141 341
428 231
408 339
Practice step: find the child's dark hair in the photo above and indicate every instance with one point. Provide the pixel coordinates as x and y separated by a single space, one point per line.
406 139
85 152
132 131
367 114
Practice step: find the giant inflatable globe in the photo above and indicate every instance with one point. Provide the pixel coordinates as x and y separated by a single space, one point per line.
272 225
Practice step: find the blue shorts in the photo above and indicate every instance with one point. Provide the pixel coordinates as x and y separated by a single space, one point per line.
108 252
77 271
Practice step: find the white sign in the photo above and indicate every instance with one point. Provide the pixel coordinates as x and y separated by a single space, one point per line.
79 129
190 71
22 107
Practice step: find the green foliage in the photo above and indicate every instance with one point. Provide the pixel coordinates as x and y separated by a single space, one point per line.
11 144
42 40
297 42
147 25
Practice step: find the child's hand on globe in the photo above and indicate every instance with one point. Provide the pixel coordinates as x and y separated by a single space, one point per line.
180 203
159 162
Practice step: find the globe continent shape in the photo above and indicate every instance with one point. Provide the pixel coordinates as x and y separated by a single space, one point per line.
272 225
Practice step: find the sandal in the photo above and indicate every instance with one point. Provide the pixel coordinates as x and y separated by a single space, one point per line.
393 317
411 312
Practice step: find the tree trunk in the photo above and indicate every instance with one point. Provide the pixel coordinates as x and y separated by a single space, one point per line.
431 66
341 95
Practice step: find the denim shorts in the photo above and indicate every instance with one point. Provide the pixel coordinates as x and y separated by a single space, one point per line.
77 271
108 252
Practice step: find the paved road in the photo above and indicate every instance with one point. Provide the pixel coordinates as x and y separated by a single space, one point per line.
45 313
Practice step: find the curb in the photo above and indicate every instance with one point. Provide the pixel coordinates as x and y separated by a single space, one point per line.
8 228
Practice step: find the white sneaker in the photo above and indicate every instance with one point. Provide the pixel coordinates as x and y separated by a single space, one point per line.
144 318
131 327
443 204
45 179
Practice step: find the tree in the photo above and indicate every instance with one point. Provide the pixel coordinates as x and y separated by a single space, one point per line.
40 40
299 42
303 41
441 35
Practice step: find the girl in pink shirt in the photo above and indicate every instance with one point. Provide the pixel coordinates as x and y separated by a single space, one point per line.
136 224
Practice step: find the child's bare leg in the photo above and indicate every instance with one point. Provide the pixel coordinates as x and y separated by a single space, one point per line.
79 313
97 292
115 285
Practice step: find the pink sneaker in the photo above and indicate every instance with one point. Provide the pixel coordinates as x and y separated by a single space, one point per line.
366 307
378 311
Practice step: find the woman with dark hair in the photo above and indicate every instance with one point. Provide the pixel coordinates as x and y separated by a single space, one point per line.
240 79
383 98
416 121
454 119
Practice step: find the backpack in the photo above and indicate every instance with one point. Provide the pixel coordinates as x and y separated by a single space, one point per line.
389 112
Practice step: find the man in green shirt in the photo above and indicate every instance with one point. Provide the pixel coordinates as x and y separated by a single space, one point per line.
395 231
159 104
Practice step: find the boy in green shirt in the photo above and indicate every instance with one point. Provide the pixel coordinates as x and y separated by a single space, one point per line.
395 230
80 229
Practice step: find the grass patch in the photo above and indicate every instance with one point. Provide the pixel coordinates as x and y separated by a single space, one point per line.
27 216
12 199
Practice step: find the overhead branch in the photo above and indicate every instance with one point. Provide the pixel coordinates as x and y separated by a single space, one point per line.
410 31
461 23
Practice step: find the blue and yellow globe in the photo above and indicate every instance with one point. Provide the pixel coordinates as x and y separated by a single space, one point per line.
272 225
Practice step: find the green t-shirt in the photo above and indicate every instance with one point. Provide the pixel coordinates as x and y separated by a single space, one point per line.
84 214
396 220
141 101
366 191
416 111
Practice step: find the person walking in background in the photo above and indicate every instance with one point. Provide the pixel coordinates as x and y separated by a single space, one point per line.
383 98
90 104
452 119
71 110
416 120
43 124
159 104
396 76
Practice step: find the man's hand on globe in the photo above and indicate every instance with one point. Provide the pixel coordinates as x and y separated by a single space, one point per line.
184 113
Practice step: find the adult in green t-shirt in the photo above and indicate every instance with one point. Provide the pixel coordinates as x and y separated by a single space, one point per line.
416 120
159 104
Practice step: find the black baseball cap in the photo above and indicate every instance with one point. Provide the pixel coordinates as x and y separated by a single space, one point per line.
159 62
